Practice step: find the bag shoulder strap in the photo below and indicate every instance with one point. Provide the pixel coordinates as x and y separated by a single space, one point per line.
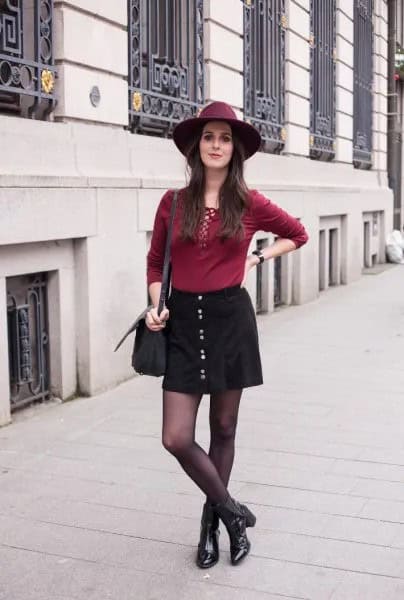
166 273
167 256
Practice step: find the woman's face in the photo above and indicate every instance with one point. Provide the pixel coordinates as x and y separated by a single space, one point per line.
216 145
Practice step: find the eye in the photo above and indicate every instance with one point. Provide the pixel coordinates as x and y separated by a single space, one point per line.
207 136
227 139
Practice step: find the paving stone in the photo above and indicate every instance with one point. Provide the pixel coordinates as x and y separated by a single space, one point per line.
93 508
333 554
46 577
384 454
386 490
325 503
398 539
356 529
356 586
384 510
284 441
114 474
275 476
286 460
368 470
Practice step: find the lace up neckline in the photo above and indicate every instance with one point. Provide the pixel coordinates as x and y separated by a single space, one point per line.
203 233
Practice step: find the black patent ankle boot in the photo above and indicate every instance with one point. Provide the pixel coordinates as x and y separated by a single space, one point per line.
234 518
251 519
208 547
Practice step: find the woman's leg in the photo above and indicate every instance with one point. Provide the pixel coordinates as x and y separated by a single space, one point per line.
179 419
223 416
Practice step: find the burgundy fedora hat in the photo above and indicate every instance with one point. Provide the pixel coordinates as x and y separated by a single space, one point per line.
217 111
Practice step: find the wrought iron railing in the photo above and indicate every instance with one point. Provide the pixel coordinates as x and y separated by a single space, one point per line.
363 83
27 339
264 70
166 70
27 73
322 79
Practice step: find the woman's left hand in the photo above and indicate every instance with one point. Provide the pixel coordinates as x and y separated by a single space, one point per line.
251 262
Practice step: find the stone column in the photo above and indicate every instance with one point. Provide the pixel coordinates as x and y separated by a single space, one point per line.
380 53
82 303
297 115
91 52
306 261
223 51
62 332
344 82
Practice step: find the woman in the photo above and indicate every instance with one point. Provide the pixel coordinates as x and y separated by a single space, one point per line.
211 327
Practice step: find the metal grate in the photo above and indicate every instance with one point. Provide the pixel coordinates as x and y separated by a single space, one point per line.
264 70
323 79
363 82
27 74
166 70
27 317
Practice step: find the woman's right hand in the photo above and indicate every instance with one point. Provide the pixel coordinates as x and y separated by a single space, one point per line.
155 322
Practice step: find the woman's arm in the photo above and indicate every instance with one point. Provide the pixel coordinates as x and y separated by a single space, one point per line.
154 292
270 217
155 261
278 248
155 256
155 321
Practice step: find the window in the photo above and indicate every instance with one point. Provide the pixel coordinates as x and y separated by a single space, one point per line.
27 75
322 81
264 70
363 81
165 63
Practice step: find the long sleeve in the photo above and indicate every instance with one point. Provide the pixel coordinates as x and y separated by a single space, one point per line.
155 256
270 217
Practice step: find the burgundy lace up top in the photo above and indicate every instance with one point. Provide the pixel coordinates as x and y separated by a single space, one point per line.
210 263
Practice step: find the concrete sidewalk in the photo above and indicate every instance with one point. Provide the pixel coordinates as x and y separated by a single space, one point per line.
93 508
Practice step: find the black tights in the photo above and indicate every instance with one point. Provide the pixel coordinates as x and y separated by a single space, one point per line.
210 472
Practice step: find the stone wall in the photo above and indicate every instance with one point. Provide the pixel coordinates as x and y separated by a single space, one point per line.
78 195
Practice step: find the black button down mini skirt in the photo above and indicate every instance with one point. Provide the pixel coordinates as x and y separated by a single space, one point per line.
212 342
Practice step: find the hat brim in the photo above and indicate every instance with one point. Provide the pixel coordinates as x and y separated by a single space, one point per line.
185 132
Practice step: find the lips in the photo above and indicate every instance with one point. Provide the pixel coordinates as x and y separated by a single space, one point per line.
215 155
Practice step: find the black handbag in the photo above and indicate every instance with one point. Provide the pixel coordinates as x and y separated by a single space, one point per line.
149 356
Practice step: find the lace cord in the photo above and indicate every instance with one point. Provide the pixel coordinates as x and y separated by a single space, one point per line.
203 233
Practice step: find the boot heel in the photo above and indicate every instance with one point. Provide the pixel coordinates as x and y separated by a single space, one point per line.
251 519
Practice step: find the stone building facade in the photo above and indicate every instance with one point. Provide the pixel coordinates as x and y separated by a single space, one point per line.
86 154
396 109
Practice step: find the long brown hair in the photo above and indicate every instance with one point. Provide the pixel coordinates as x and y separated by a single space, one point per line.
233 193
